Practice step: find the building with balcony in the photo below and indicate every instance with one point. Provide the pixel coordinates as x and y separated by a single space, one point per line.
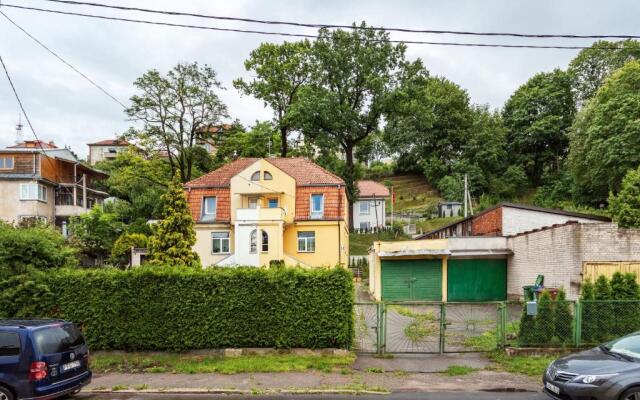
256 210
106 150
46 183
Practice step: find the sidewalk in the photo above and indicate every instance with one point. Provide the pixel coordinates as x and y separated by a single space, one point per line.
421 362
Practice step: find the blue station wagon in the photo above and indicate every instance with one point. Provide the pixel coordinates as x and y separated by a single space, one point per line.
41 359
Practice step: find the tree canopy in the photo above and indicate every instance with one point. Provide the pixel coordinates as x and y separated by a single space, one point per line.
625 206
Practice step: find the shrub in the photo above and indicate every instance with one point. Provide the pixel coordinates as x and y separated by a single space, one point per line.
563 318
121 251
545 320
149 308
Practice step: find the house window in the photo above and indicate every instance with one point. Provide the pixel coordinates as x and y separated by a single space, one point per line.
306 242
273 203
253 202
365 225
265 241
268 176
364 207
220 242
6 162
253 241
209 208
255 176
9 344
317 206
33 191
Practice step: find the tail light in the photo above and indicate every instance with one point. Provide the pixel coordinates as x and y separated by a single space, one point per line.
37 371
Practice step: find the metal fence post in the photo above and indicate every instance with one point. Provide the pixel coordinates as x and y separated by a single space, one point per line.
577 324
382 322
502 325
443 326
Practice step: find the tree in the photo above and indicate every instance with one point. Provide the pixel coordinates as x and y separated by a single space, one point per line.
625 206
545 320
93 233
173 237
38 246
176 110
537 117
354 73
605 137
280 71
256 142
563 318
592 66
121 251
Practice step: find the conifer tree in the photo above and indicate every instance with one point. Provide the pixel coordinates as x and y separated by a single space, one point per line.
545 320
588 311
563 318
602 310
173 237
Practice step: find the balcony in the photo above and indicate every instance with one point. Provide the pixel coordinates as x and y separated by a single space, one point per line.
259 214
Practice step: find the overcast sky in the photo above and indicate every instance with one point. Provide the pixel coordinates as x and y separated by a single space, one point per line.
68 110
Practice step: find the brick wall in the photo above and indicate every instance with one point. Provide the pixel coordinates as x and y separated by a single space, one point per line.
558 254
488 224
334 198
194 198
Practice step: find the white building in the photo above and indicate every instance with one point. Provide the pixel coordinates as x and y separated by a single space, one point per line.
369 209
106 150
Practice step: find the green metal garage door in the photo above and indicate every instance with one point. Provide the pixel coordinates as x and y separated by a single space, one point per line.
476 280
404 280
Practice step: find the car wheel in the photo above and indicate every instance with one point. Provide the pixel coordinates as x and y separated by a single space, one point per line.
6 394
631 394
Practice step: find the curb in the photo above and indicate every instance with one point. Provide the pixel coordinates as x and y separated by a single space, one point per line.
237 391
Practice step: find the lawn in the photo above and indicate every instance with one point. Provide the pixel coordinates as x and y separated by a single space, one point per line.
193 364
529 365
359 243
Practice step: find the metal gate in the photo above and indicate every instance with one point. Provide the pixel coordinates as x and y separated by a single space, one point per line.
367 327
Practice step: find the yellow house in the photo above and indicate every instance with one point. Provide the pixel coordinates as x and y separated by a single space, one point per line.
256 210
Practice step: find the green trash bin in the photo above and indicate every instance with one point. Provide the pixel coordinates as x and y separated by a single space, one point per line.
531 291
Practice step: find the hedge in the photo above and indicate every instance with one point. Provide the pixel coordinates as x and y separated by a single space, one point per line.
179 309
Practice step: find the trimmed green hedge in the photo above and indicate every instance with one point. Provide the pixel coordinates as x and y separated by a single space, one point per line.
179 309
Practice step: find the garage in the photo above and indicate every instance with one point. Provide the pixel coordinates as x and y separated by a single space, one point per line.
407 280
476 279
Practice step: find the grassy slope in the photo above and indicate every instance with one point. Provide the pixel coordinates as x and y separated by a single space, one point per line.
359 244
413 193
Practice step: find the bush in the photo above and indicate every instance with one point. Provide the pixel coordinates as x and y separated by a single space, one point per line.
167 308
563 318
545 320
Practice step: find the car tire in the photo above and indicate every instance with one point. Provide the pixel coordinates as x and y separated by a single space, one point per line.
6 394
631 394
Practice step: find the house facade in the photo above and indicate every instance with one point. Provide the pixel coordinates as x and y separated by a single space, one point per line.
106 150
256 210
449 209
47 184
369 209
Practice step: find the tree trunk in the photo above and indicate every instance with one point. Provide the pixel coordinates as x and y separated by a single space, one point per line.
284 146
348 152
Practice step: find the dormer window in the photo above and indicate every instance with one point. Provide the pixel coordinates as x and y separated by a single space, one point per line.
317 206
209 208
255 176
268 176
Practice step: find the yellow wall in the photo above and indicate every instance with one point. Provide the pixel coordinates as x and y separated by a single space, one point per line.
330 237
204 244
276 249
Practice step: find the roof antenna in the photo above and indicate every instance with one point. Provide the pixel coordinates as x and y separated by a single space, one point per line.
19 129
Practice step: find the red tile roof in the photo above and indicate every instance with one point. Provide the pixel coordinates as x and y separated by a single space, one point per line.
371 189
301 169
32 144
110 142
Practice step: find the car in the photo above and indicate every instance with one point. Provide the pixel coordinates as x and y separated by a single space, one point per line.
42 359
610 371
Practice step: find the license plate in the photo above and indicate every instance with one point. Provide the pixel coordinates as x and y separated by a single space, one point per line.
68 366
553 388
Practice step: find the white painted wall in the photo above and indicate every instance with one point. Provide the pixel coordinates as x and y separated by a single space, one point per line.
242 241
374 205
12 208
516 220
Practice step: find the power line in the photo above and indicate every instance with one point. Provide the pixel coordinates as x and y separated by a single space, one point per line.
318 25
300 35
103 90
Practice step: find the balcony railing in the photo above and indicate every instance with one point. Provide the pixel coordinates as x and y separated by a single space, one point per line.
259 214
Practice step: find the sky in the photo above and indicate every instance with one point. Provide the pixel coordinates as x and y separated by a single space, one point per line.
65 108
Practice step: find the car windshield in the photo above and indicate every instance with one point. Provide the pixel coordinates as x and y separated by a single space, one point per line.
628 345
58 339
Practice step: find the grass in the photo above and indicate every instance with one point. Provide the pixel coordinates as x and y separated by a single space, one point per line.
192 364
430 224
458 370
119 387
359 244
529 365
413 193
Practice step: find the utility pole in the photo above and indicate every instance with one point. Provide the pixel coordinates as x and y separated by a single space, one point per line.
465 195
393 198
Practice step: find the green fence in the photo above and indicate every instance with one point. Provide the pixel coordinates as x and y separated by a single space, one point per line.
436 327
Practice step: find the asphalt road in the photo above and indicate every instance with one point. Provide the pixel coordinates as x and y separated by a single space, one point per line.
394 396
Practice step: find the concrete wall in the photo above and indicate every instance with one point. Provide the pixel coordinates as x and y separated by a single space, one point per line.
12 208
559 253
376 207
516 220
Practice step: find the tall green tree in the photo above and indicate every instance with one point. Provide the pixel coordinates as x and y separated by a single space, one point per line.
95 232
538 116
279 72
175 111
605 137
259 141
354 72
173 236
590 68
625 206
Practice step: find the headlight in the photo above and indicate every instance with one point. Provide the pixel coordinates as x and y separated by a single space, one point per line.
593 379
550 369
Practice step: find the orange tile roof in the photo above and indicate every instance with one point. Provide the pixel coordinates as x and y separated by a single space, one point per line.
32 144
301 169
110 142
371 189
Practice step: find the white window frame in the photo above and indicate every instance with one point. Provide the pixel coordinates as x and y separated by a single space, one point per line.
253 241
250 199
39 194
306 240
316 214
221 240
4 159
205 208
273 199
368 207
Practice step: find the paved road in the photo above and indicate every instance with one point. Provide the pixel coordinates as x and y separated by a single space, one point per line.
394 396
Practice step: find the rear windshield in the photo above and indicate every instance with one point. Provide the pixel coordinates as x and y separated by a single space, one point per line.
57 339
